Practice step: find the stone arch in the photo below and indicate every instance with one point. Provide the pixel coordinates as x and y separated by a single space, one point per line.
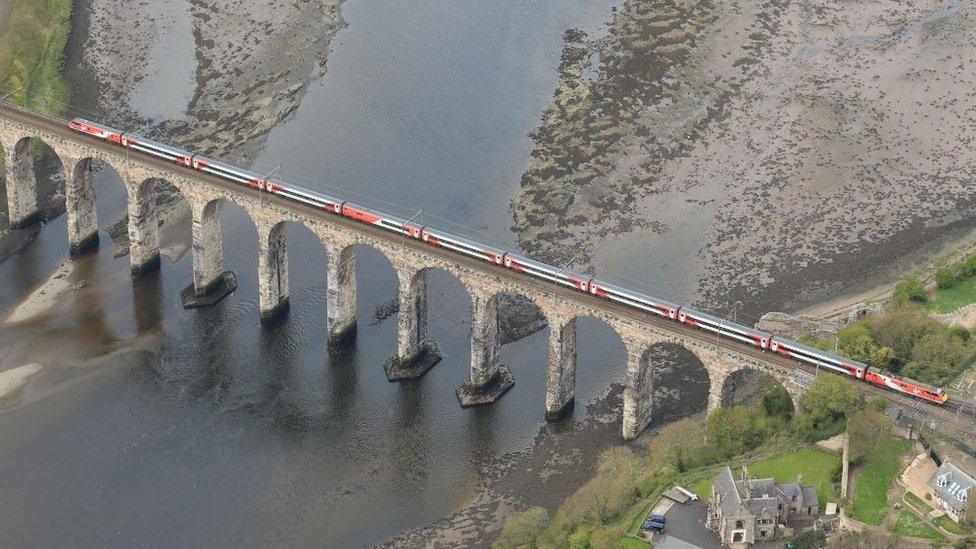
80 203
210 282
745 380
23 192
342 285
585 340
681 380
157 203
273 264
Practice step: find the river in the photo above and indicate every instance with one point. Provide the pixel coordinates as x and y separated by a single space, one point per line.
148 425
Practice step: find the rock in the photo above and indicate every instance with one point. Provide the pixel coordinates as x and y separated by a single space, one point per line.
796 325
861 310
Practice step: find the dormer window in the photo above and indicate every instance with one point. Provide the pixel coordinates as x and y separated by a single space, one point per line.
961 496
943 480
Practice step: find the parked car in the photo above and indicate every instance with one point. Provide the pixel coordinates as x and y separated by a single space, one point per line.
654 523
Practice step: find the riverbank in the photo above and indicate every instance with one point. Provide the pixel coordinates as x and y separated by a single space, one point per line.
33 35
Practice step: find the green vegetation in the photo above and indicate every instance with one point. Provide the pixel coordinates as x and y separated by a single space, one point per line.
908 291
825 406
813 464
918 503
867 430
777 403
32 54
906 341
609 508
811 539
909 524
873 481
959 294
950 525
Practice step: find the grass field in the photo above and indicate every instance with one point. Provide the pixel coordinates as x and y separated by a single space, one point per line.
950 525
909 524
32 54
950 299
872 483
815 466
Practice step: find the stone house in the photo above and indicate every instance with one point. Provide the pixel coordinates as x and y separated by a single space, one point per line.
950 489
748 510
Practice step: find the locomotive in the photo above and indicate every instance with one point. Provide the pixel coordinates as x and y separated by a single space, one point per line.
554 275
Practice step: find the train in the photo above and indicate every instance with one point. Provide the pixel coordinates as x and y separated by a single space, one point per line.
432 236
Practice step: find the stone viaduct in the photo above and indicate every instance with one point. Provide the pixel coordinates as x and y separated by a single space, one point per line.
411 260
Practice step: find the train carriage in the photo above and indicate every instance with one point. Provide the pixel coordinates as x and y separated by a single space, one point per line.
726 328
817 357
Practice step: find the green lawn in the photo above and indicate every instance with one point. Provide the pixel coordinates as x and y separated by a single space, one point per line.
702 488
874 479
815 465
909 524
631 543
950 299
950 525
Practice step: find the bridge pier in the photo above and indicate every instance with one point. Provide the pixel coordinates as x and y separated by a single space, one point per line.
143 231
489 379
416 354
639 391
272 273
210 282
21 185
561 372
79 205
340 294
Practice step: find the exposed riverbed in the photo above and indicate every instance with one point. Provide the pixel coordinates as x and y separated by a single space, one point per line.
129 421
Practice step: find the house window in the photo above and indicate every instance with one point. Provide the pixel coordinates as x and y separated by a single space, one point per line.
738 524
779 507
762 533
737 537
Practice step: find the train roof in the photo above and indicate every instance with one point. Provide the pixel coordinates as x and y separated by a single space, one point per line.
933 388
724 322
442 235
815 351
637 295
227 167
143 140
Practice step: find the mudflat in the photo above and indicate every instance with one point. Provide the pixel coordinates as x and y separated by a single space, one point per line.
811 145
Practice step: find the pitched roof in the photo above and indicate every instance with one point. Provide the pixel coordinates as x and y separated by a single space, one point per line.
952 485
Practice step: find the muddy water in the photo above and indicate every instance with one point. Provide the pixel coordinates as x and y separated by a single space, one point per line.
150 425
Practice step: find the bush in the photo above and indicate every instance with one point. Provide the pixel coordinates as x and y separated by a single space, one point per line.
946 277
811 539
777 403
522 529
967 267
910 291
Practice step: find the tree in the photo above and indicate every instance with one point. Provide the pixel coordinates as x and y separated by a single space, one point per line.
521 530
909 291
735 430
866 540
827 402
777 403
866 430
938 355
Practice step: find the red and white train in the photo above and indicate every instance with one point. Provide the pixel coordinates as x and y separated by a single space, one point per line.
515 262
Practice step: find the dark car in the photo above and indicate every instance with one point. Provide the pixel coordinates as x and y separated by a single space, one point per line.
654 523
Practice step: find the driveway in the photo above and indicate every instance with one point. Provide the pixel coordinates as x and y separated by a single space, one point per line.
687 523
